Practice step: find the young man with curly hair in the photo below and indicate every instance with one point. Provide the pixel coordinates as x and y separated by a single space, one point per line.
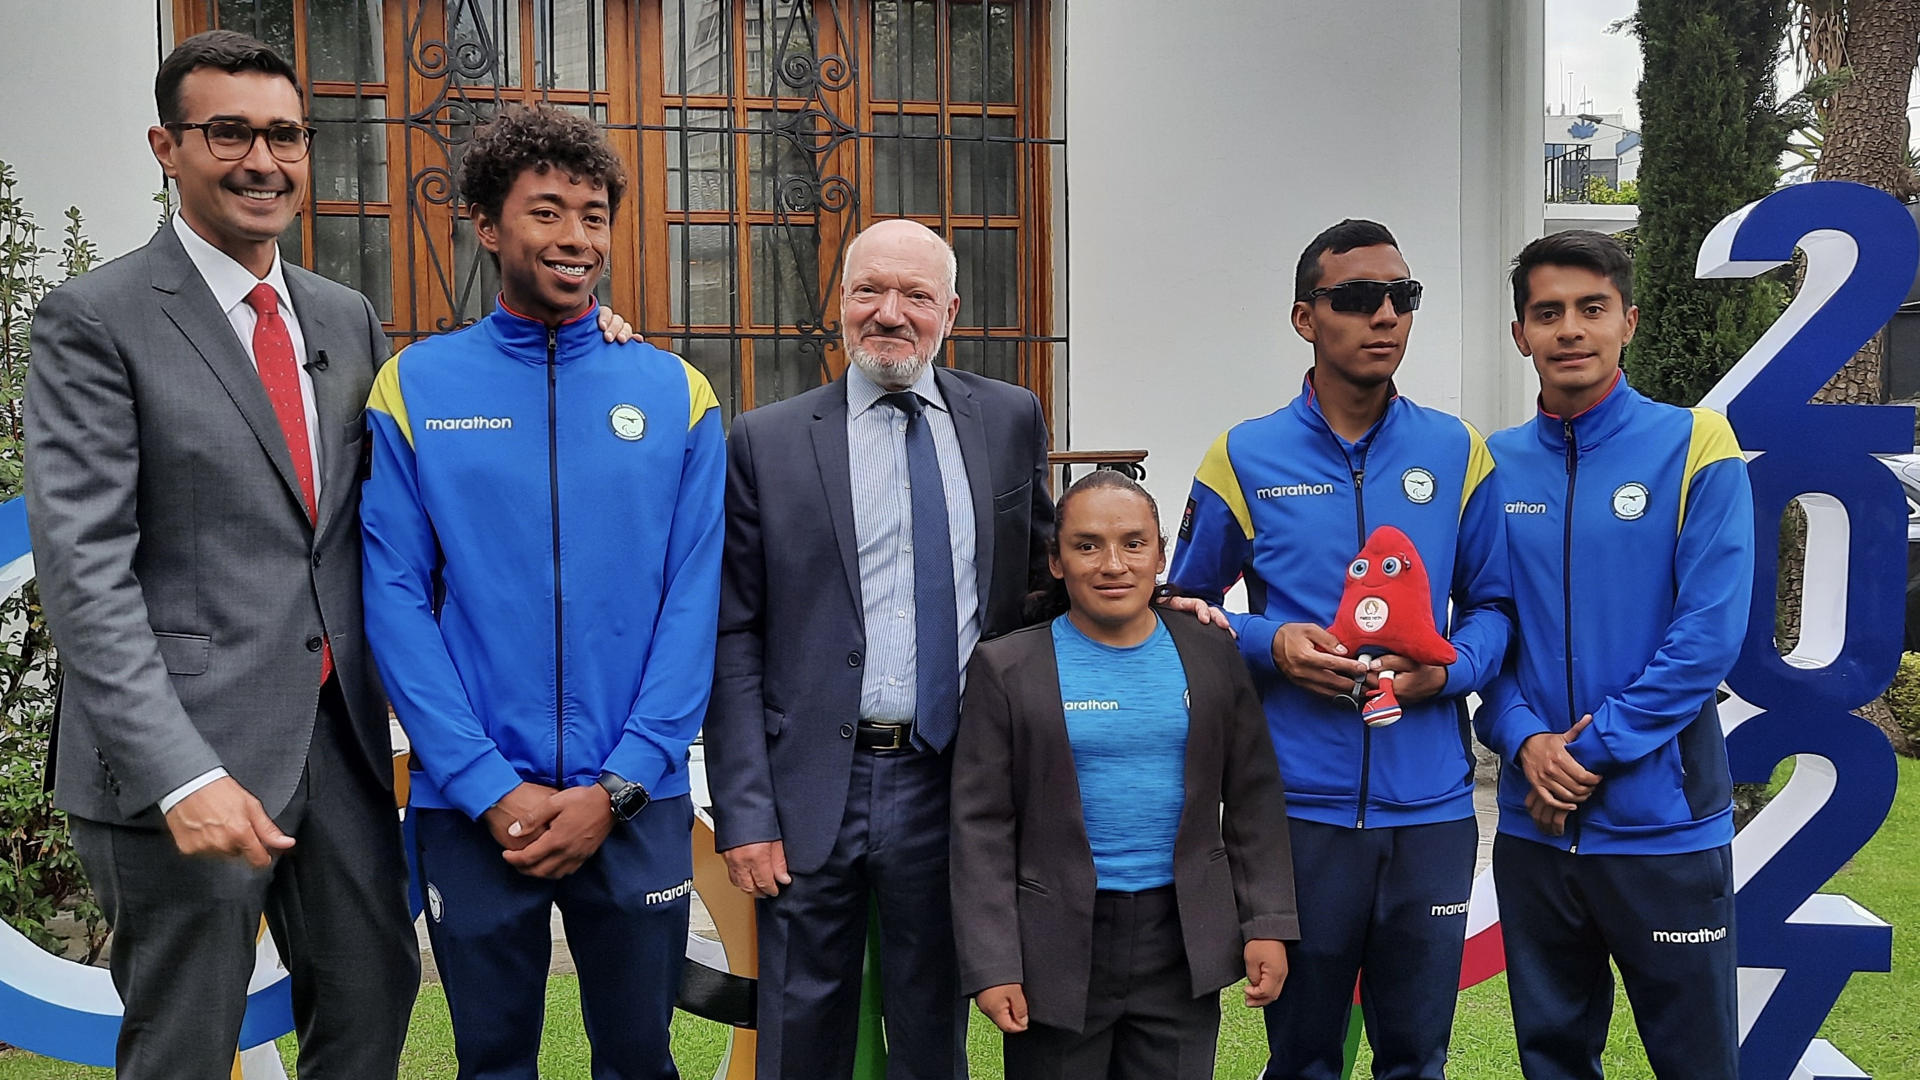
543 522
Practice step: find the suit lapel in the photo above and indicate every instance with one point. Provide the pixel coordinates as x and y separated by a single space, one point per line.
1204 713
1042 691
836 476
971 429
334 397
191 307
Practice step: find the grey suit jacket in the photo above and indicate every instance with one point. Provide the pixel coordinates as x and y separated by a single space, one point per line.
1023 875
786 694
186 590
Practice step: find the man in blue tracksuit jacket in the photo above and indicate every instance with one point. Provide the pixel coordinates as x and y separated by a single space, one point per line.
1382 819
543 533
1630 536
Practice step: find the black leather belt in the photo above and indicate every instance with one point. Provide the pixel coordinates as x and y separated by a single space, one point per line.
883 738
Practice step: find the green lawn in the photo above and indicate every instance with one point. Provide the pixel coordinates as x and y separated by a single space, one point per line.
1873 1022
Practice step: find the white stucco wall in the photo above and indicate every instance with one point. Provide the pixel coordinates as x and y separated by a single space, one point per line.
77 78
1207 143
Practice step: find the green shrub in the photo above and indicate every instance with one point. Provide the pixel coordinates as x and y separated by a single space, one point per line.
1903 697
40 878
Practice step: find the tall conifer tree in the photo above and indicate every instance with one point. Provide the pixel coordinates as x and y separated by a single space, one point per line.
1712 139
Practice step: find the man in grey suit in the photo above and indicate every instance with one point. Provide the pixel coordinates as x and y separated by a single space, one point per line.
842 635
194 449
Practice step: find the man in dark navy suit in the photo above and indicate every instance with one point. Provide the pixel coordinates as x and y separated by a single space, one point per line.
878 528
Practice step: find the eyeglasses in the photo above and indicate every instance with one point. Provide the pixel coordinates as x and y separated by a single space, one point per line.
231 140
1363 297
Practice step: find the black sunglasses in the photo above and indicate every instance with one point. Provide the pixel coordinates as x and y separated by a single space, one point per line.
1363 297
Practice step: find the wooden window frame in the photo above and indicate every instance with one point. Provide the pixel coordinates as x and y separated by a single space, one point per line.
425 283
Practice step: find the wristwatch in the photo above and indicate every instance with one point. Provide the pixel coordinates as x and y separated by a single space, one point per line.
627 797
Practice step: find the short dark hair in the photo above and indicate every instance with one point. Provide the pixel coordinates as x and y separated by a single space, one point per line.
536 137
228 50
1583 248
1338 239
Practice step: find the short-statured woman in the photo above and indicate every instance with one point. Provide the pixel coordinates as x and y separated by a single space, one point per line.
1119 830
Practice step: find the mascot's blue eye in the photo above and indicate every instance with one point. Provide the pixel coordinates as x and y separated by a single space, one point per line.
1391 566
1358 569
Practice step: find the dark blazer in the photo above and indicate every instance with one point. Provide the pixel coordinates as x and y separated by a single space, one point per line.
184 585
1023 876
786 696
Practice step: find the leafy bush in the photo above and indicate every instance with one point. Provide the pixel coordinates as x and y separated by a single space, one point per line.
1903 697
40 877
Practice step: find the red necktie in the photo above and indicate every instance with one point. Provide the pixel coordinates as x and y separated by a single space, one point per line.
273 358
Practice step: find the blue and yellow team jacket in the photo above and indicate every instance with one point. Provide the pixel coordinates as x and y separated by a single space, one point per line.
1630 536
1286 503
543 532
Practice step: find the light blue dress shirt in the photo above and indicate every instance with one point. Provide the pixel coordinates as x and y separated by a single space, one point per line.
883 525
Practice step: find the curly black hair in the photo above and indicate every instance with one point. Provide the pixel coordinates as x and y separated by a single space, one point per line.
536 137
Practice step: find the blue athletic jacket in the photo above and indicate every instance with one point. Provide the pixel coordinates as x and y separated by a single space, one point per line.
1630 537
1285 503
543 533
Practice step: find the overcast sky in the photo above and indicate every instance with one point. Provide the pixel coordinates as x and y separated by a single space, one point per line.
1586 64
1589 69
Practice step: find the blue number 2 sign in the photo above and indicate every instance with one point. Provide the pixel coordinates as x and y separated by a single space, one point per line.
1798 947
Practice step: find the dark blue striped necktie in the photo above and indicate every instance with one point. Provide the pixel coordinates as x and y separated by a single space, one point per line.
936 695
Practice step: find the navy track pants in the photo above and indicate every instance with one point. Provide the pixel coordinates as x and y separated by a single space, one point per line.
625 912
1391 901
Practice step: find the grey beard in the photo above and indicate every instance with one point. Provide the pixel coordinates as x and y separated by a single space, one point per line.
889 375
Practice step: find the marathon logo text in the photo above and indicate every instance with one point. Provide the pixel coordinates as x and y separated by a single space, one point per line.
674 893
1286 491
469 423
1689 937
1450 909
1090 705
1526 508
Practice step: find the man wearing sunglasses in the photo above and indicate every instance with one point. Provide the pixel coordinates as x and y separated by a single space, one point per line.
1382 817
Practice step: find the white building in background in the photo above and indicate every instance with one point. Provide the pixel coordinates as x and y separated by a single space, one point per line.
1582 145
1128 248
1595 144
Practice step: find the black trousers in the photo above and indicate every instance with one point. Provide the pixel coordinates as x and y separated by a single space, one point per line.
184 928
1143 1022
1666 920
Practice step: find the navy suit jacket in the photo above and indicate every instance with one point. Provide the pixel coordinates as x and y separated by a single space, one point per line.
786 696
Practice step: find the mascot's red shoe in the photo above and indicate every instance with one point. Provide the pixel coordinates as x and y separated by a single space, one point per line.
1388 609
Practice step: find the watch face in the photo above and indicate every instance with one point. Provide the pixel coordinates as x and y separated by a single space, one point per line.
629 801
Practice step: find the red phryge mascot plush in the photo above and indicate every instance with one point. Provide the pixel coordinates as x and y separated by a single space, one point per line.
1388 609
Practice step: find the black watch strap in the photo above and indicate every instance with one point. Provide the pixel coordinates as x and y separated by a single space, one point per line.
626 797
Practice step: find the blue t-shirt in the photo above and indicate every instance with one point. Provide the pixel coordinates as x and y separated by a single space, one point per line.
1127 721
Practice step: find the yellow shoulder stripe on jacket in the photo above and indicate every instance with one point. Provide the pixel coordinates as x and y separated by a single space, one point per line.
386 398
700 396
1216 472
1712 441
1479 464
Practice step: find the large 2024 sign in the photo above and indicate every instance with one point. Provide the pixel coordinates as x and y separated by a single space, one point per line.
1798 947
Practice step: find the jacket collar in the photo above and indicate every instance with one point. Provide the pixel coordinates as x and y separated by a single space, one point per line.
1593 426
526 339
1306 408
